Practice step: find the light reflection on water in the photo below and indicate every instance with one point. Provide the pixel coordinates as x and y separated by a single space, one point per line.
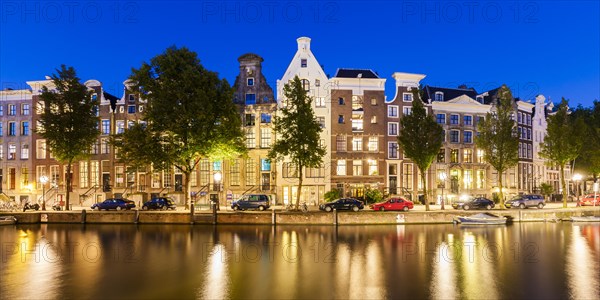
285 262
582 264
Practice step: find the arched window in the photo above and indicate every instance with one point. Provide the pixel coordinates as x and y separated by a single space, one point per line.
306 84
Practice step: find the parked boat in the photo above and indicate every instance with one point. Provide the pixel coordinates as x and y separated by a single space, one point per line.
586 219
482 219
7 220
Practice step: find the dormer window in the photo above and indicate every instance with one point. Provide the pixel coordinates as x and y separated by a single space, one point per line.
439 96
303 63
479 99
250 81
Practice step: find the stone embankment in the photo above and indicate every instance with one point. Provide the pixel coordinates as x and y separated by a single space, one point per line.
290 218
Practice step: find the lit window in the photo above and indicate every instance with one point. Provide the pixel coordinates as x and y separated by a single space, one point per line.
373 143
468 155
341 167
341 143
357 144
320 101
373 169
357 167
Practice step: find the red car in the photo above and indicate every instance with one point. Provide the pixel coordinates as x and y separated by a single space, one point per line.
398 203
590 199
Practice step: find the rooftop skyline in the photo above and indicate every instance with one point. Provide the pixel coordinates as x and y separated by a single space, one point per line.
547 47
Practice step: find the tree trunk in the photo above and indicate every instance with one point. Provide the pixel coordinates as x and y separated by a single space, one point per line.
424 181
564 185
501 190
299 187
186 188
68 185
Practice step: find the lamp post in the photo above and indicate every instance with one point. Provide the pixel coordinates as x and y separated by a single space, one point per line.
217 177
43 180
577 178
443 177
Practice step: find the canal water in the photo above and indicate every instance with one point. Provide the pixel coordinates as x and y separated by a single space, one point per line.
519 261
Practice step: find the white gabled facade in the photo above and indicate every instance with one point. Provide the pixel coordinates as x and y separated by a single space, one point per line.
316 182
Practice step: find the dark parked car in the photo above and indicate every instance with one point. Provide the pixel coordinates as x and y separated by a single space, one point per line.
163 203
343 203
252 201
396 203
113 203
474 203
523 201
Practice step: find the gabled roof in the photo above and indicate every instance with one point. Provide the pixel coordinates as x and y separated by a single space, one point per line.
354 73
490 96
449 93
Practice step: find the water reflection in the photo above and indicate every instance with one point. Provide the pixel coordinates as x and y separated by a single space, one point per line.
582 262
283 262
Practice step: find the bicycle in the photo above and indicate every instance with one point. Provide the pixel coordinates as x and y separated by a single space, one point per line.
290 207
304 207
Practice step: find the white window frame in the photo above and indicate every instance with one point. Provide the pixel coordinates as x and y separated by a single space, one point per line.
390 152
410 95
390 127
390 109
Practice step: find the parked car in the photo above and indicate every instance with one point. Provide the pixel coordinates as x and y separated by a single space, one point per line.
397 203
343 203
524 201
252 201
474 203
589 200
113 203
163 203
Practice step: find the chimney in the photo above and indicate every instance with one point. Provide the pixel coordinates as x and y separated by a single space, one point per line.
303 43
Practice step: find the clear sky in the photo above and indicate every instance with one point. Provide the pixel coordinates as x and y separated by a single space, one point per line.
547 47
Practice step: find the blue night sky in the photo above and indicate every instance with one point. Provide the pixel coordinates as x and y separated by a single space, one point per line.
547 47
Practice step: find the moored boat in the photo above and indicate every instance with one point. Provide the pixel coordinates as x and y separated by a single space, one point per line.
483 219
7 220
586 219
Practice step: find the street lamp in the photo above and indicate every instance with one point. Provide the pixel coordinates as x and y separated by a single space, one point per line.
43 180
443 177
577 178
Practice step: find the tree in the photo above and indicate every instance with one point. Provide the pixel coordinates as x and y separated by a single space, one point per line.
68 121
563 141
421 138
498 137
332 195
298 132
373 196
546 189
190 115
588 161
